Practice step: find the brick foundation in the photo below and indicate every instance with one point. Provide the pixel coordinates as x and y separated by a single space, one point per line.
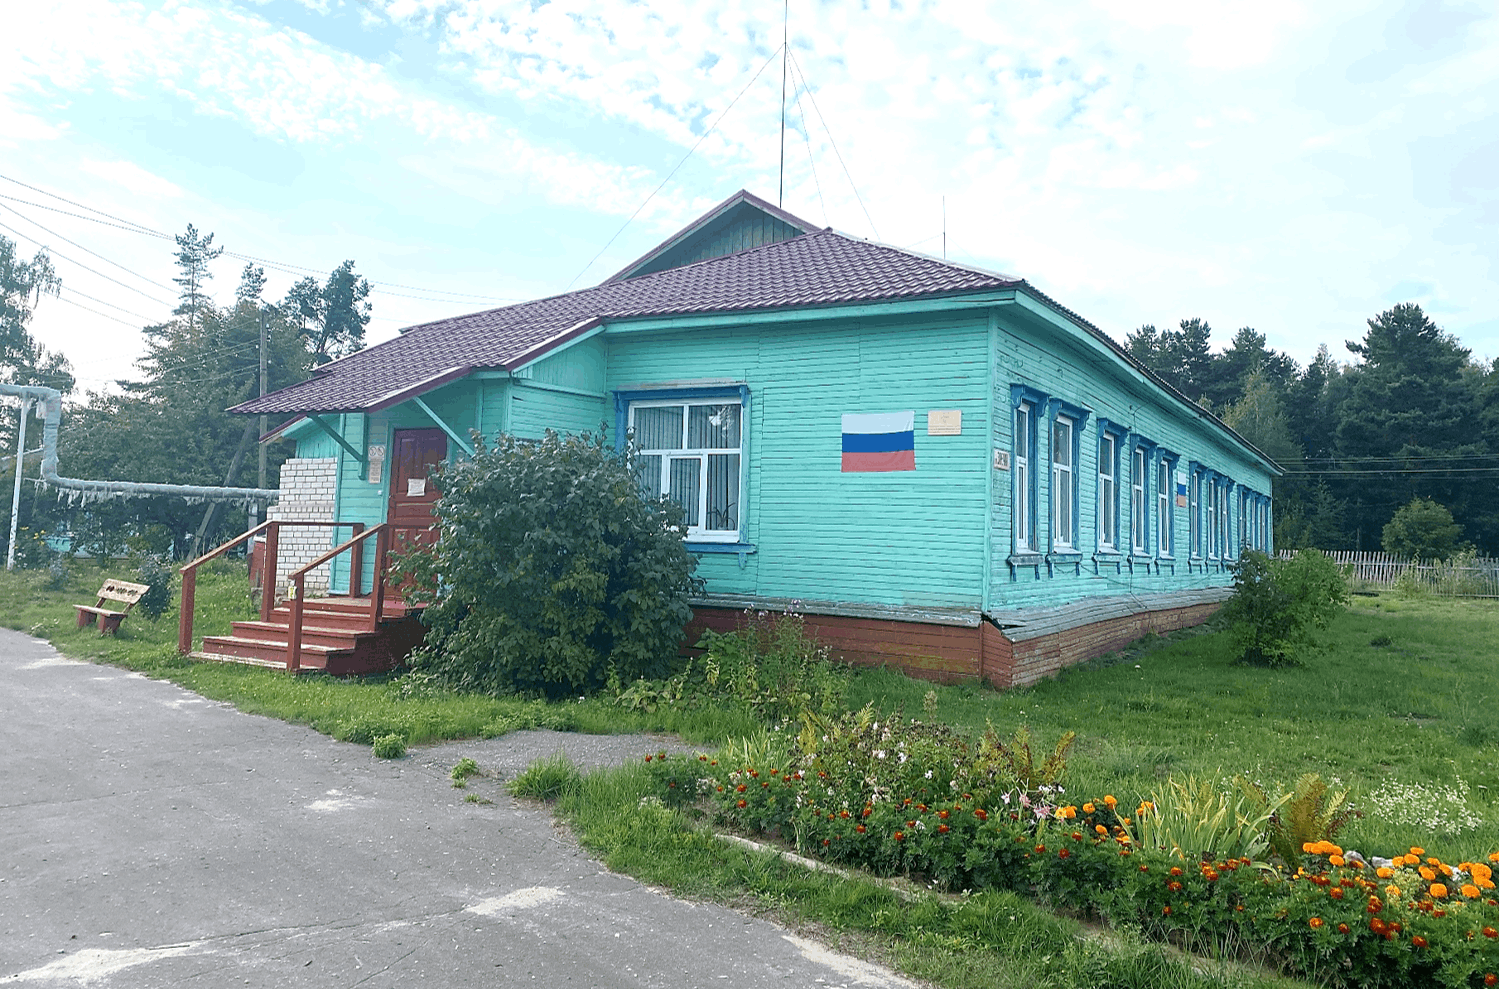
968 654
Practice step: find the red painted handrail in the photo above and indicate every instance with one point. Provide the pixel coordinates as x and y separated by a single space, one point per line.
382 533
272 530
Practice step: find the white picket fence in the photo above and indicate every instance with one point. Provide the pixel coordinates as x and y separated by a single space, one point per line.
1465 577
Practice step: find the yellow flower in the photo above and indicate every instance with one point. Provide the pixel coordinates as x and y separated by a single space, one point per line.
1337 860
1438 891
1111 802
1470 891
1308 847
1427 874
1384 872
1417 851
1088 808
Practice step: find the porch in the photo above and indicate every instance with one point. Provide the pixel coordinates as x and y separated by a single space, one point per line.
353 634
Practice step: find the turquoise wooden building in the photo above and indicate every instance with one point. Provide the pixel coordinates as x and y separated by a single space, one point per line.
946 469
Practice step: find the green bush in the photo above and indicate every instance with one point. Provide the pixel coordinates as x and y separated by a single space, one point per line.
389 747
550 570
1278 605
1421 529
156 573
771 665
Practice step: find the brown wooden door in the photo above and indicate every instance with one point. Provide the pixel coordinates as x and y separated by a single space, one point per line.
412 492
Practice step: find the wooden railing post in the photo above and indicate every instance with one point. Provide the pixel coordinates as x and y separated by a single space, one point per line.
268 566
356 562
294 629
377 586
185 615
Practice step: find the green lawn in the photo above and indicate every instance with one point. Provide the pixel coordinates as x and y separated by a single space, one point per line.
1404 694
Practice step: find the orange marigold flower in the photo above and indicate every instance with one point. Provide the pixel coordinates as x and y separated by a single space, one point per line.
1040 849
1110 802
1307 847
1338 860
1336 892
1426 873
1064 853
1418 941
1377 926
981 814
1417 851
1438 890
1392 891
943 829
1490 979
1166 911
860 829
1384 872
900 836
1490 932
1469 890
1100 829
1088 808
743 803
942 814
1342 928
1144 868
1315 922
1176 870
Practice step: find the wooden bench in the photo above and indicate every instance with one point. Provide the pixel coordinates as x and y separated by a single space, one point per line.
108 619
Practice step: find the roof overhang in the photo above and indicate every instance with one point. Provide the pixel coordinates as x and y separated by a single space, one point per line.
419 388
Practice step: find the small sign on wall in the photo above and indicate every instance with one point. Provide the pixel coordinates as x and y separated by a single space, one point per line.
1001 459
416 487
944 422
375 459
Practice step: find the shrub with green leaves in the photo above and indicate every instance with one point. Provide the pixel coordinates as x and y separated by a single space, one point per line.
1279 605
156 573
550 569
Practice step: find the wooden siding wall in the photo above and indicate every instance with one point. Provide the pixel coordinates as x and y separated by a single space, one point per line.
1036 355
749 228
902 538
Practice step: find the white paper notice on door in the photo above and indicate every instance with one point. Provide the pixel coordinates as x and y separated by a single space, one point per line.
416 487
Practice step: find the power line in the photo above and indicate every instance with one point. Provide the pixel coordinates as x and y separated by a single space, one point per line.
96 312
678 167
834 144
150 281
285 267
807 139
111 305
1380 472
81 264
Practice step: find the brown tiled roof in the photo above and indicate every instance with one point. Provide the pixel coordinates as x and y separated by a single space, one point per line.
816 269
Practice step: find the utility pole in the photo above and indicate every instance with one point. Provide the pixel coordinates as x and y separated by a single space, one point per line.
15 503
785 55
254 508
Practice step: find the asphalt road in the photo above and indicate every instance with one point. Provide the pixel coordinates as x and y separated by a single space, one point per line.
150 837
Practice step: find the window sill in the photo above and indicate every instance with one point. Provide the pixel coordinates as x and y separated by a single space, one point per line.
1065 556
696 546
1026 558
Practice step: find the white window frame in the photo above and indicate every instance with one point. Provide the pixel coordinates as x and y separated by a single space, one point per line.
1163 500
1139 501
1108 492
1212 519
1194 516
1225 514
1025 460
1064 484
700 532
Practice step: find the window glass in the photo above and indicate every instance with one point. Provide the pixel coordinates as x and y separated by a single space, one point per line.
1137 529
690 453
1163 507
1024 448
1061 481
1108 492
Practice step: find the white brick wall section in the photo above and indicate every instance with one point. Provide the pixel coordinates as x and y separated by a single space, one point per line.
307 489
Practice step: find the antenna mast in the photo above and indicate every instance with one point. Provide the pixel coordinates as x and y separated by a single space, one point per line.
785 53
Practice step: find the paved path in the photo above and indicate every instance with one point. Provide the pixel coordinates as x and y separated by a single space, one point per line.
149 837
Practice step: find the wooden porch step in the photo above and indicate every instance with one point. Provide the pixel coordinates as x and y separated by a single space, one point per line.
314 656
318 634
218 657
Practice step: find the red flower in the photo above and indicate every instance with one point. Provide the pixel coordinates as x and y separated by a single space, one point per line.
1064 853
942 814
1418 941
1175 871
943 829
1315 922
1336 892
900 836
647 758
860 829
1040 849
740 788
1490 979
1166 911
1342 928
743 803
981 814
1490 932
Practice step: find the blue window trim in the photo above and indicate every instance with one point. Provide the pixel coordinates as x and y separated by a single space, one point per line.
1195 472
740 390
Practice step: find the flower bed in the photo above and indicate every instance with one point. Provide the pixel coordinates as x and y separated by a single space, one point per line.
901 797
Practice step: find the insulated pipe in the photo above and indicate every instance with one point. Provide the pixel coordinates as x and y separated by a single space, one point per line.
50 400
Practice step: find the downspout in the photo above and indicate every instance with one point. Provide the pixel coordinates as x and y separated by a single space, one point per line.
50 400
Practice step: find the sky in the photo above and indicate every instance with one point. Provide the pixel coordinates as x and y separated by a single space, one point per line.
1293 167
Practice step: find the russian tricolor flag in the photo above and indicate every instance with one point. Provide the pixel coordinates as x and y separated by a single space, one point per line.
879 441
